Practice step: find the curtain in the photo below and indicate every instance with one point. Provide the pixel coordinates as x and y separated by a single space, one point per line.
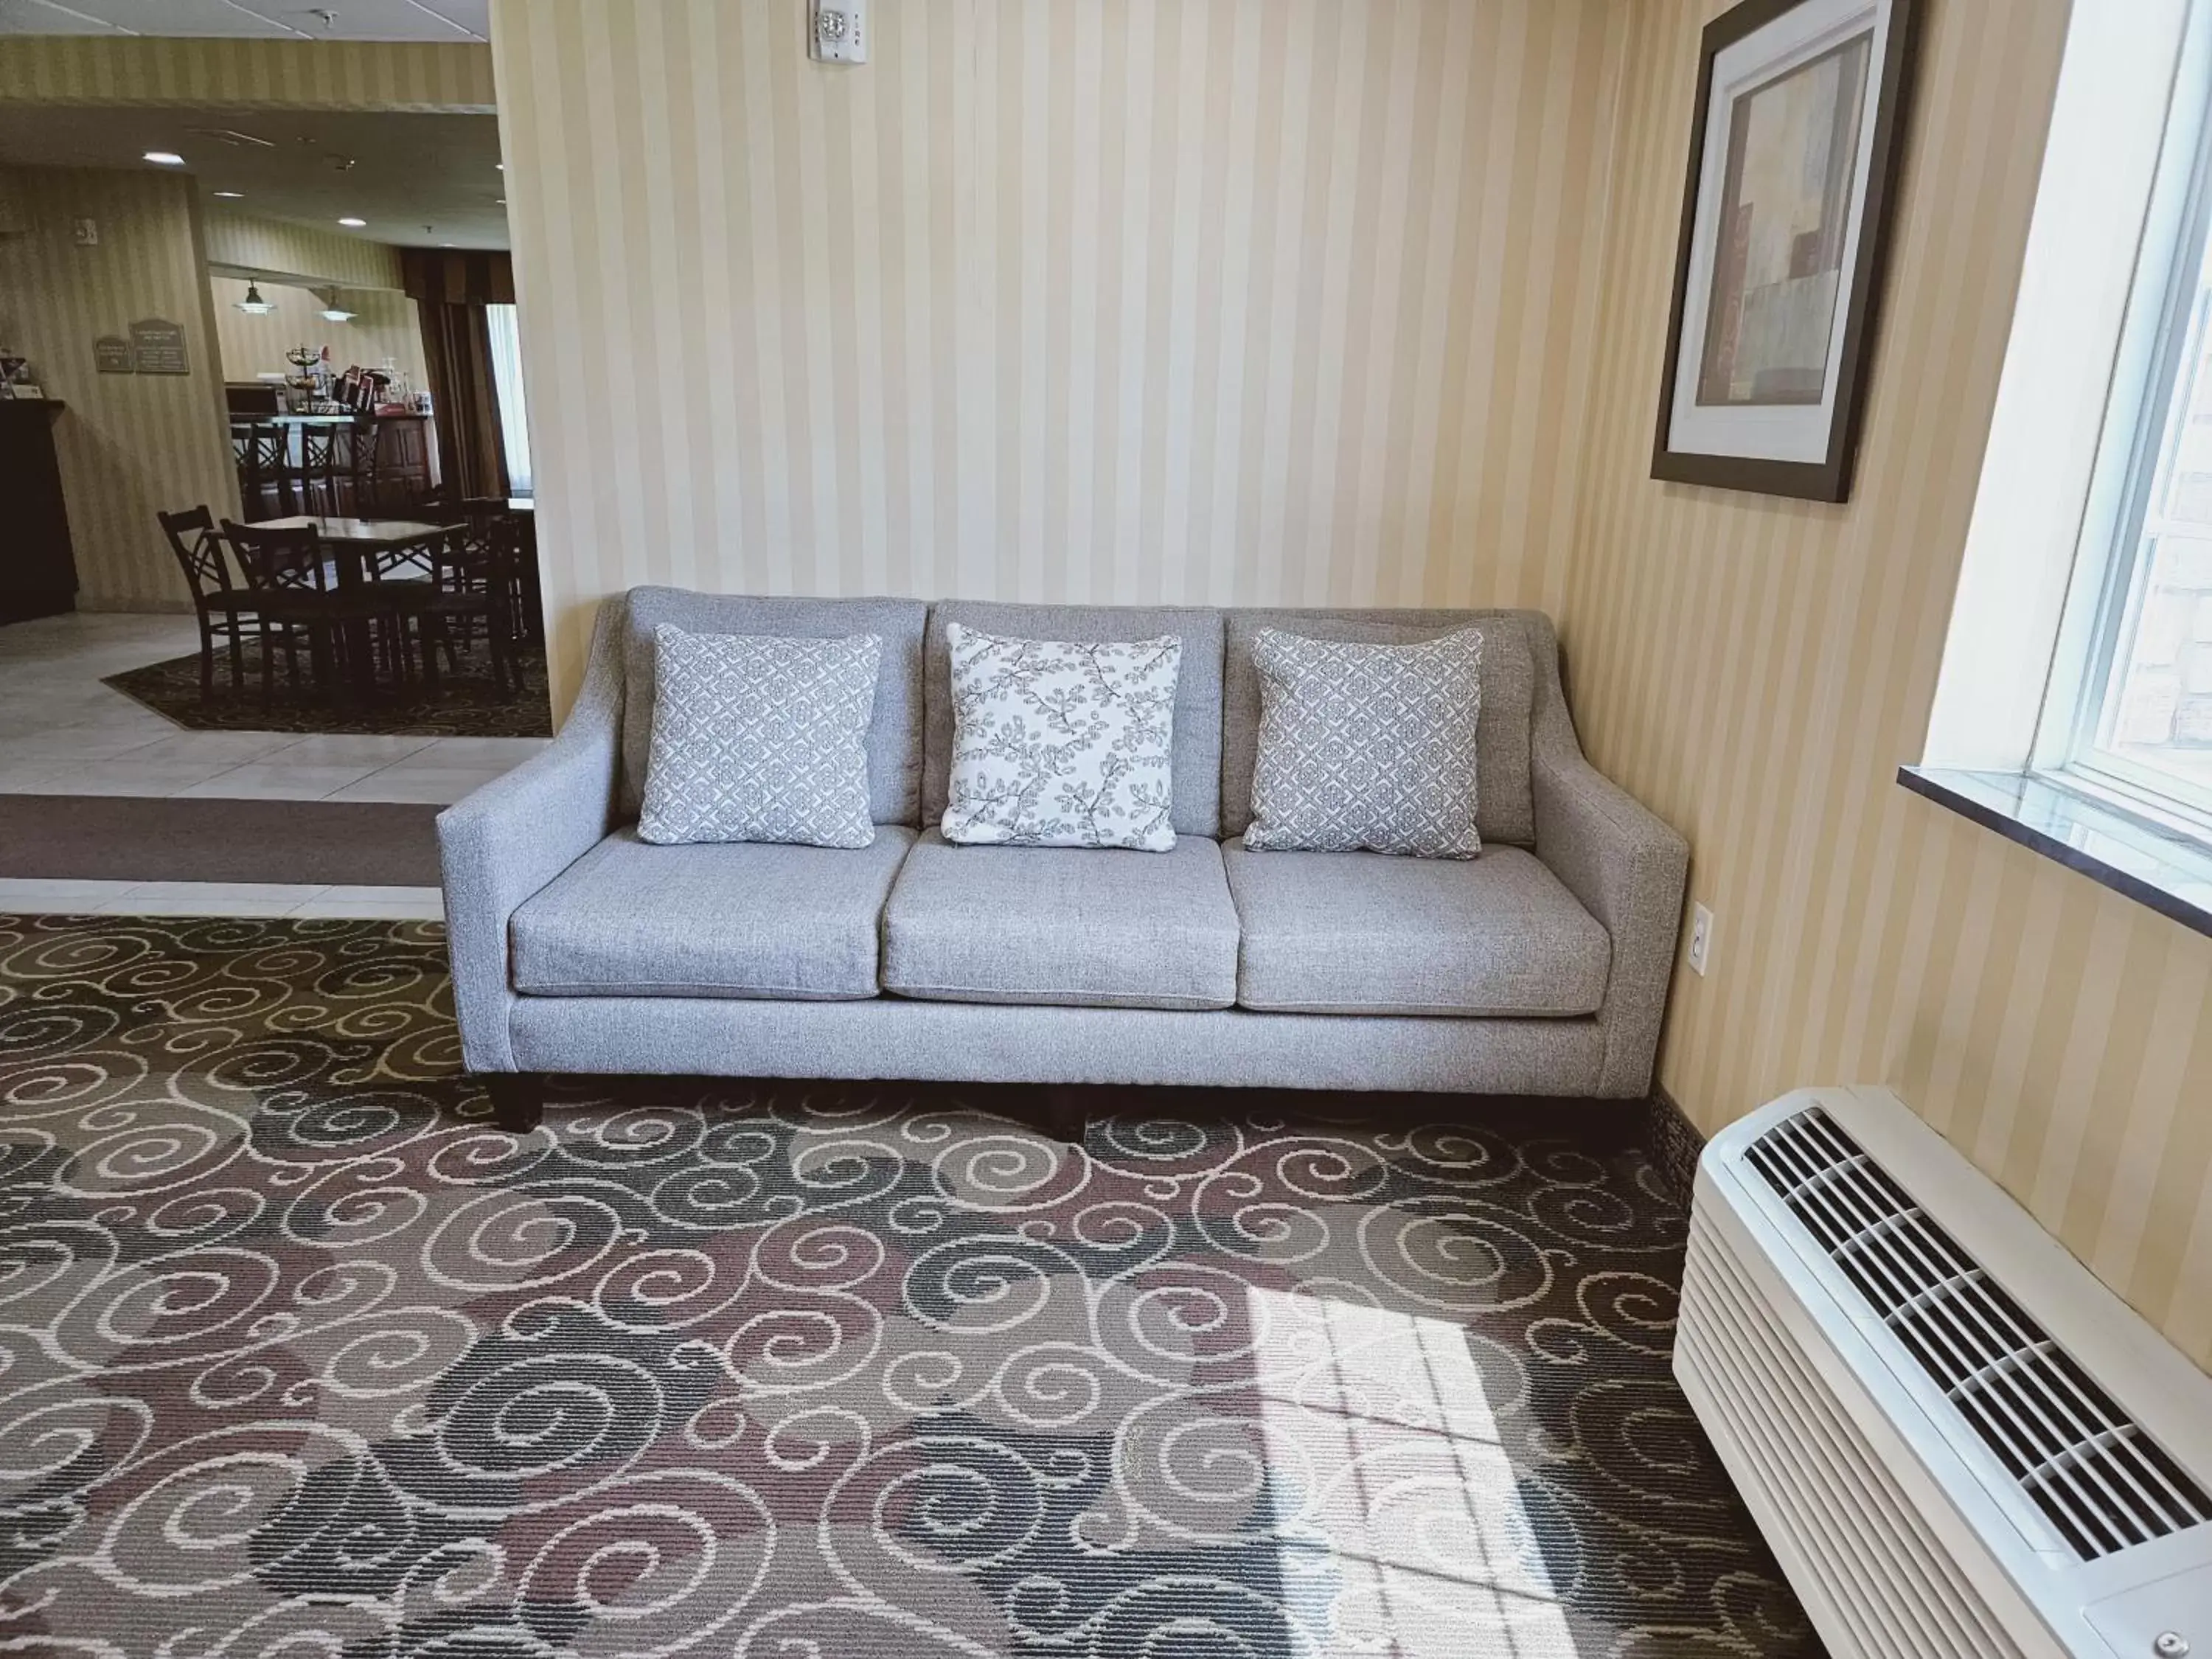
457 341
506 381
454 292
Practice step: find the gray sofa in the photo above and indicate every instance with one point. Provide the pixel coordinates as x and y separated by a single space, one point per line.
1540 968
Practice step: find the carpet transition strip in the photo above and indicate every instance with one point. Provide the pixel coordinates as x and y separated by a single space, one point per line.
289 843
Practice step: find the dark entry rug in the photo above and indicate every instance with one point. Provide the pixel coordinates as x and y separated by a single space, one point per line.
144 838
468 704
301 1355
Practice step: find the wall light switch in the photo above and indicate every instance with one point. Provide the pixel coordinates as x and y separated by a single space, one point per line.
841 31
85 233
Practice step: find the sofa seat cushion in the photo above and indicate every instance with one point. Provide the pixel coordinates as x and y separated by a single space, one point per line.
713 920
1078 927
1366 933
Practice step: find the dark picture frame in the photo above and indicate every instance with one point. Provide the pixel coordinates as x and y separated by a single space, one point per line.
1825 475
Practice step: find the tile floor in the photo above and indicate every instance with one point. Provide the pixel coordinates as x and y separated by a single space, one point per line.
22 895
62 733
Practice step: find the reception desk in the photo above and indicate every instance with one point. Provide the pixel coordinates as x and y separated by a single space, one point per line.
38 566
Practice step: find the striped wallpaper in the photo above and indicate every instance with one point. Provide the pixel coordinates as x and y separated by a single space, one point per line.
382 75
130 445
968 320
278 248
386 324
1249 300
1756 669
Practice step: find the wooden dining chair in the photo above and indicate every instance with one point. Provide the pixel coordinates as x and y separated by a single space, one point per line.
263 486
322 474
475 585
399 582
488 520
297 589
226 611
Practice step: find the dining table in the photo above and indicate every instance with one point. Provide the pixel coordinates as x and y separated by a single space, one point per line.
359 542
360 552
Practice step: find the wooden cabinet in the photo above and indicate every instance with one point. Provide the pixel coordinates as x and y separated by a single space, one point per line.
38 566
397 475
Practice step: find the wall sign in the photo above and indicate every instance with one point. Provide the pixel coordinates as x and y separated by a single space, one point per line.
113 355
159 346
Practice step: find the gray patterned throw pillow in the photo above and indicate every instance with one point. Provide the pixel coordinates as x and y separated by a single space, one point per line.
757 738
1366 746
1058 743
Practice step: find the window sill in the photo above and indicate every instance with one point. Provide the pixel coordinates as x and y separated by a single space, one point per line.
2170 873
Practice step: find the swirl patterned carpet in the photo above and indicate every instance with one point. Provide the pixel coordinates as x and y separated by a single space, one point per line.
298 1356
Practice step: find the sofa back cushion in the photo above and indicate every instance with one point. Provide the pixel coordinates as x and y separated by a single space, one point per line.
1505 806
1197 756
894 740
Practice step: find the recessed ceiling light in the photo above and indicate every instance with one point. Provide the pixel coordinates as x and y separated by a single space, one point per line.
230 195
352 223
167 158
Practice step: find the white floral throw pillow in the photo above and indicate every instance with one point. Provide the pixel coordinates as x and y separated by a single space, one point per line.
1061 743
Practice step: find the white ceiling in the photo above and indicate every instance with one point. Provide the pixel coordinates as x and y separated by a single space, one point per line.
408 171
254 20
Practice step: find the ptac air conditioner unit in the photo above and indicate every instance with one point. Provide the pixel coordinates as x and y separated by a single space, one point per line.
1956 1440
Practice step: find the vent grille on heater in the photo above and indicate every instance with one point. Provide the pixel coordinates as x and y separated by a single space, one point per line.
2097 1475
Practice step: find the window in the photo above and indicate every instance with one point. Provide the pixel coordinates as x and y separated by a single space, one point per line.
2128 715
2073 706
506 382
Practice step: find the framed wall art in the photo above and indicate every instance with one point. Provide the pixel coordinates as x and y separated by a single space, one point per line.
1794 153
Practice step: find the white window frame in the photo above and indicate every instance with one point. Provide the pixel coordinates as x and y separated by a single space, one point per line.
504 323
2162 338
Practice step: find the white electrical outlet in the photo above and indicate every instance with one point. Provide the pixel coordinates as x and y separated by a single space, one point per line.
1701 938
841 31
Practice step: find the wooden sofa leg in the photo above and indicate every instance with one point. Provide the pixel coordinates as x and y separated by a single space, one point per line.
1066 1112
518 1099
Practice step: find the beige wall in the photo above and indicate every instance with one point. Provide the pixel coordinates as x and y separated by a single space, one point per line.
1757 669
277 248
246 73
967 321
130 445
1231 300
384 325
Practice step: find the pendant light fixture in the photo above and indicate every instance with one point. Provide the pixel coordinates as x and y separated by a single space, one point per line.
253 305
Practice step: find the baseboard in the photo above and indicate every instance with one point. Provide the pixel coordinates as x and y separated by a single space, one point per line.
1676 1142
138 605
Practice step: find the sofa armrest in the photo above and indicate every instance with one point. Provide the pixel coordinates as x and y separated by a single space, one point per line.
1628 868
503 843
